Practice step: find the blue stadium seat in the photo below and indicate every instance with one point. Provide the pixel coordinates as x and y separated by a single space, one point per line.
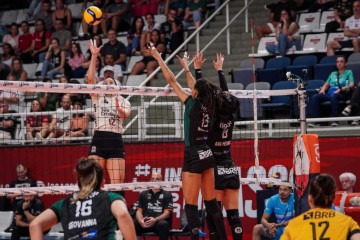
274 71
246 104
243 76
322 71
303 62
329 60
312 87
280 103
248 63
354 58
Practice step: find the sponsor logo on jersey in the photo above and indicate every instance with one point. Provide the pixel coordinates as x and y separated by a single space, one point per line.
82 223
224 125
204 154
318 215
222 144
93 149
65 119
226 170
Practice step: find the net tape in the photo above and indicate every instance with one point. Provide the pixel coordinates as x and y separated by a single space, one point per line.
53 190
125 90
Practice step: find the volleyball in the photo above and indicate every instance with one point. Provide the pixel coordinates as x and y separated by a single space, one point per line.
92 15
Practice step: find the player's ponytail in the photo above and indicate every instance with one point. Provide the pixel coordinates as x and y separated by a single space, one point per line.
322 190
210 95
89 177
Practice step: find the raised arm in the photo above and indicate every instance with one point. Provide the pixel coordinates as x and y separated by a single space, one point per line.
169 76
95 51
198 62
218 65
185 64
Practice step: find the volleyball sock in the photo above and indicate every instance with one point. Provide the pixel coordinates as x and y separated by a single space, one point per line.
213 209
193 220
235 223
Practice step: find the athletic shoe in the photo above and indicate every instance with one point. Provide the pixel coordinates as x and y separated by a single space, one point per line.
334 124
202 234
355 123
346 111
38 136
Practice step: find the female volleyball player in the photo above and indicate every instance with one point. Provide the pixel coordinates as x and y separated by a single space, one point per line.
198 167
227 181
321 222
110 111
89 213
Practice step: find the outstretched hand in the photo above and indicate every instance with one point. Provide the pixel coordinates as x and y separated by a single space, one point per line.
218 64
184 61
151 51
93 48
199 60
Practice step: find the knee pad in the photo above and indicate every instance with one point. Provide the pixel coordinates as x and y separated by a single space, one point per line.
213 209
235 223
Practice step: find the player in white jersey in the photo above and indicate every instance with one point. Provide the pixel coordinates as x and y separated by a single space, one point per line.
110 111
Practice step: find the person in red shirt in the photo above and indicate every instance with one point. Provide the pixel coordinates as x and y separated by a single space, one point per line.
41 41
25 41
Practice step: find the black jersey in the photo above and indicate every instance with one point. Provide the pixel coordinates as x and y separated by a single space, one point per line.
87 218
196 122
22 184
220 137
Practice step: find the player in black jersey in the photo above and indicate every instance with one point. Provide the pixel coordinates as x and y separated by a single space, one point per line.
198 168
227 181
88 213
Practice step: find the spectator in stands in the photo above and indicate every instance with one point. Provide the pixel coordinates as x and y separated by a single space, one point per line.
13 37
274 18
287 35
178 5
41 41
78 124
351 30
172 33
134 36
95 29
64 36
77 97
194 13
60 121
73 67
342 11
54 60
8 54
338 84
98 68
116 48
34 8
26 211
25 41
138 8
63 14
49 100
36 124
353 108
148 28
348 181
45 14
98 40
148 62
15 99
282 205
323 5
154 210
7 123
110 66
118 15
17 72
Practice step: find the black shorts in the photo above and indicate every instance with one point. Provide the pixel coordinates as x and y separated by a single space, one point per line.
107 145
346 43
198 159
227 176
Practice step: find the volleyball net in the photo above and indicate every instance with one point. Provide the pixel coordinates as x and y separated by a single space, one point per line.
153 137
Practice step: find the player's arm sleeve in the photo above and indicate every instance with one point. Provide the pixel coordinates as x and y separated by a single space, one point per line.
222 81
56 208
353 228
198 74
168 201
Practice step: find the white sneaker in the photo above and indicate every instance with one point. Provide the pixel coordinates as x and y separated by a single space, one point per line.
346 111
334 124
38 136
355 123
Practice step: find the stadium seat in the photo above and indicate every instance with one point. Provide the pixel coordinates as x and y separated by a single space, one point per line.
312 87
6 218
135 80
122 39
339 36
243 76
261 51
21 16
328 60
246 104
280 103
314 43
354 58
83 46
355 68
274 70
300 63
30 68
131 63
235 86
248 63
322 71
309 21
9 17
326 16
282 62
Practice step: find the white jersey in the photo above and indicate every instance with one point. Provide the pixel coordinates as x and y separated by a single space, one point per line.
352 23
106 114
63 118
18 107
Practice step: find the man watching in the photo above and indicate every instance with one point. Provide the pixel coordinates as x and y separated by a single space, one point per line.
282 205
348 181
154 210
